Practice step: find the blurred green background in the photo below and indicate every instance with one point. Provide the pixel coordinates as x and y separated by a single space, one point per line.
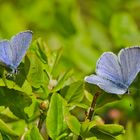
84 29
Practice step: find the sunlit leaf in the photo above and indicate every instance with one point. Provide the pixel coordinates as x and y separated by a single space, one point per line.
73 124
41 51
33 134
55 122
112 129
62 80
74 92
35 75
85 127
5 130
56 61
101 134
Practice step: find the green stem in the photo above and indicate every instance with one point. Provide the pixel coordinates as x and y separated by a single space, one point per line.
41 119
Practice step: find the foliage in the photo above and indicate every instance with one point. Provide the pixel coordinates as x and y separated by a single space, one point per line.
48 98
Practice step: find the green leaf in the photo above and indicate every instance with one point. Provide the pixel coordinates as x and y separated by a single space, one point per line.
41 51
33 134
85 128
33 110
55 121
101 134
26 87
6 137
56 61
91 138
107 131
74 92
106 98
63 136
20 77
15 100
73 124
113 129
104 131
35 74
62 80
27 135
5 130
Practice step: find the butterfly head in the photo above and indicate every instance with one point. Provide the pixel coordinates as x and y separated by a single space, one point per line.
11 72
14 71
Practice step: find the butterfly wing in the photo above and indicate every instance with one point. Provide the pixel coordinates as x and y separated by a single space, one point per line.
130 63
106 84
108 67
109 75
5 53
19 44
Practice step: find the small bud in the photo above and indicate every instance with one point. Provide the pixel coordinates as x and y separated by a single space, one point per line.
44 105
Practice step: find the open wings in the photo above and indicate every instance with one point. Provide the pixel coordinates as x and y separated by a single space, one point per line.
129 59
12 52
5 53
115 74
109 68
106 84
19 45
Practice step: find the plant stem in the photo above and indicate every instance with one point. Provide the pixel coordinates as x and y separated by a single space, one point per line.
40 123
92 107
41 119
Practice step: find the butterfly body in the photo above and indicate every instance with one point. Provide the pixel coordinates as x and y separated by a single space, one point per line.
114 74
12 51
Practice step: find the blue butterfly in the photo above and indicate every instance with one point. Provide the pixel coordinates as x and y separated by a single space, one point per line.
12 51
114 74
